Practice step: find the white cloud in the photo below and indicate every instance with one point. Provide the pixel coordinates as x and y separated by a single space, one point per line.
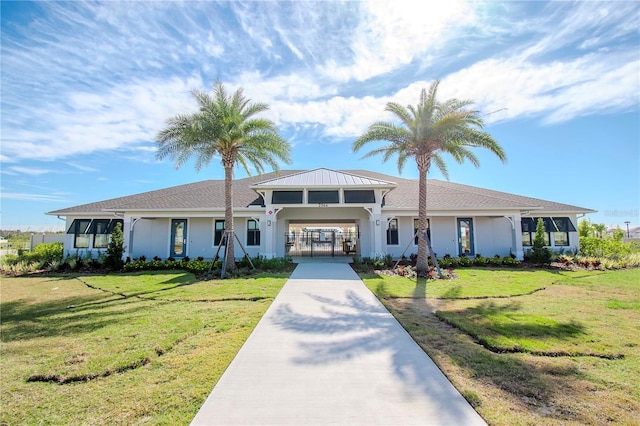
392 34
82 167
287 87
557 91
31 197
118 95
121 117
18 170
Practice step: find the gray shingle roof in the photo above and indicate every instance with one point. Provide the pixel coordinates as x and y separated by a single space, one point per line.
452 196
209 194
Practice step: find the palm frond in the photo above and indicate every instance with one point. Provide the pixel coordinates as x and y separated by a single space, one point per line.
436 159
223 127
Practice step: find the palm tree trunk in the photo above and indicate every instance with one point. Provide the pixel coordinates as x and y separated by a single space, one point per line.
228 216
422 264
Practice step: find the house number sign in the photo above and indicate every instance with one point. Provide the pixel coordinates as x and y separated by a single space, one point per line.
323 205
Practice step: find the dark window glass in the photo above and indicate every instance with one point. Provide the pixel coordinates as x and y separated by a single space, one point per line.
218 232
564 224
99 226
321 197
257 202
286 197
115 223
253 233
392 232
99 229
79 228
415 230
528 225
359 196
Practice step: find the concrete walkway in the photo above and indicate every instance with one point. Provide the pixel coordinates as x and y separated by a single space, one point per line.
327 352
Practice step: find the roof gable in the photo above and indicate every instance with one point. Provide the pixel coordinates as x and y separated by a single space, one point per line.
324 178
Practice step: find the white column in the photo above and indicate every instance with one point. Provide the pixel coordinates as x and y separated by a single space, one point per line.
378 223
517 237
269 225
127 233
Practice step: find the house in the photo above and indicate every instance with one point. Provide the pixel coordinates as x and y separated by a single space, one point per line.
320 212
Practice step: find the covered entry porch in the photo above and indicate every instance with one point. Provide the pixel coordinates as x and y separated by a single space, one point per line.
322 239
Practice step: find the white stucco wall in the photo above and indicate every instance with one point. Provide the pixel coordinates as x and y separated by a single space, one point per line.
493 233
150 238
492 236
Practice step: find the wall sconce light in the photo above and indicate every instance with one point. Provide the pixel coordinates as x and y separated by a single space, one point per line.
377 222
268 223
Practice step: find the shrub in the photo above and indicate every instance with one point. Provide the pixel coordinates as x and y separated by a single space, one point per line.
48 252
115 250
197 267
496 260
605 247
540 254
510 261
480 261
464 261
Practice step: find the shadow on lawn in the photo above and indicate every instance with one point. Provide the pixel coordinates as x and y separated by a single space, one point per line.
25 319
539 385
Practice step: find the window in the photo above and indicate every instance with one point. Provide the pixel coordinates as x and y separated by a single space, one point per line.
253 233
99 228
359 196
560 238
415 230
563 226
323 197
528 231
558 226
286 197
79 228
392 232
115 223
218 231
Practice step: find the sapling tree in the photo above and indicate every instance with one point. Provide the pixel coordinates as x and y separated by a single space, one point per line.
540 253
115 249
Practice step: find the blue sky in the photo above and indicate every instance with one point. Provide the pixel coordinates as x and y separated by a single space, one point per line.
86 86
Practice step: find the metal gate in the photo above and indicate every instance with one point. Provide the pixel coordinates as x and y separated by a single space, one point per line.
316 243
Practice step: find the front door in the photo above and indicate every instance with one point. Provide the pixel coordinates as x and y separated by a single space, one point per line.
178 237
465 236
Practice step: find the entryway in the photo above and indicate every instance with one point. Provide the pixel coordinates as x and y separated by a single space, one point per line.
178 237
322 239
465 237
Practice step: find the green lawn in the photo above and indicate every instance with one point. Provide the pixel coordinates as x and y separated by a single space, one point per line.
472 282
523 346
121 349
530 347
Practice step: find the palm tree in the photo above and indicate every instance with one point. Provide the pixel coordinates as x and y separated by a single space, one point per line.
224 126
425 132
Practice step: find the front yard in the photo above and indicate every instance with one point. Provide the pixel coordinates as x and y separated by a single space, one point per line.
121 349
530 347
523 346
